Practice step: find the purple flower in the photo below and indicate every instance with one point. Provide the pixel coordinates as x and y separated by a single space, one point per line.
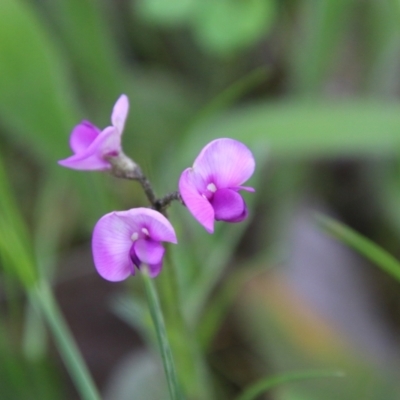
210 188
123 240
91 146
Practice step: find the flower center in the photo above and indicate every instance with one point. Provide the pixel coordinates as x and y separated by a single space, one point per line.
135 236
211 187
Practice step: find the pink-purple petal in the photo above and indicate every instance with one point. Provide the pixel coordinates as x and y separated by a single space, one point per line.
125 239
89 163
199 206
228 205
111 142
134 257
92 158
111 244
245 188
120 112
225 162
240 217
149 252
154 269
82 136
159 228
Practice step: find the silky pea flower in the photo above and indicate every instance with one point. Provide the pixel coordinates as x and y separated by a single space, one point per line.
125 240
210 189
91 147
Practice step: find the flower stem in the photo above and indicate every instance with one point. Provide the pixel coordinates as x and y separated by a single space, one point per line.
159 325
124 167
147 188
42 297
190 363
162 203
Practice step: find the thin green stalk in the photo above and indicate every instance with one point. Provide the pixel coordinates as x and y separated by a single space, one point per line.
17 256
361 244
190 362
232 93
162 338
43 298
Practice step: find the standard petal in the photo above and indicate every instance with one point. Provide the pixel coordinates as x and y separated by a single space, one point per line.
82 136
110 143
111 244
92 158
158 227
225 162
228 205
149 252
199 206
120 112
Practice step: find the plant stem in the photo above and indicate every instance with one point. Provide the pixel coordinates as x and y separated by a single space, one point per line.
162 338
162 203
191 366
42 297
124 167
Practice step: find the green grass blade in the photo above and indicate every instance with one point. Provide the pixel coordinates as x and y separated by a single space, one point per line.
15 247
232 93
16 252
214 315
161 332
362 245
265 384
42 296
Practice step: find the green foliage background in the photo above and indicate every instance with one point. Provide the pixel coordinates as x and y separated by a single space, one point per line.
301 82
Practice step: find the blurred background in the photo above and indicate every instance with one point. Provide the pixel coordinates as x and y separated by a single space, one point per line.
310 86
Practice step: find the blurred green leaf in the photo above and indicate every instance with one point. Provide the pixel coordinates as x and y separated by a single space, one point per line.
35 95
383 50
85 31
266 384
304 130
220 303
22 379
134 311
34 341
137 374
42 297
226 26
54 216
166 13
315 45
361 244
15 247
220 247
161 106
231 94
